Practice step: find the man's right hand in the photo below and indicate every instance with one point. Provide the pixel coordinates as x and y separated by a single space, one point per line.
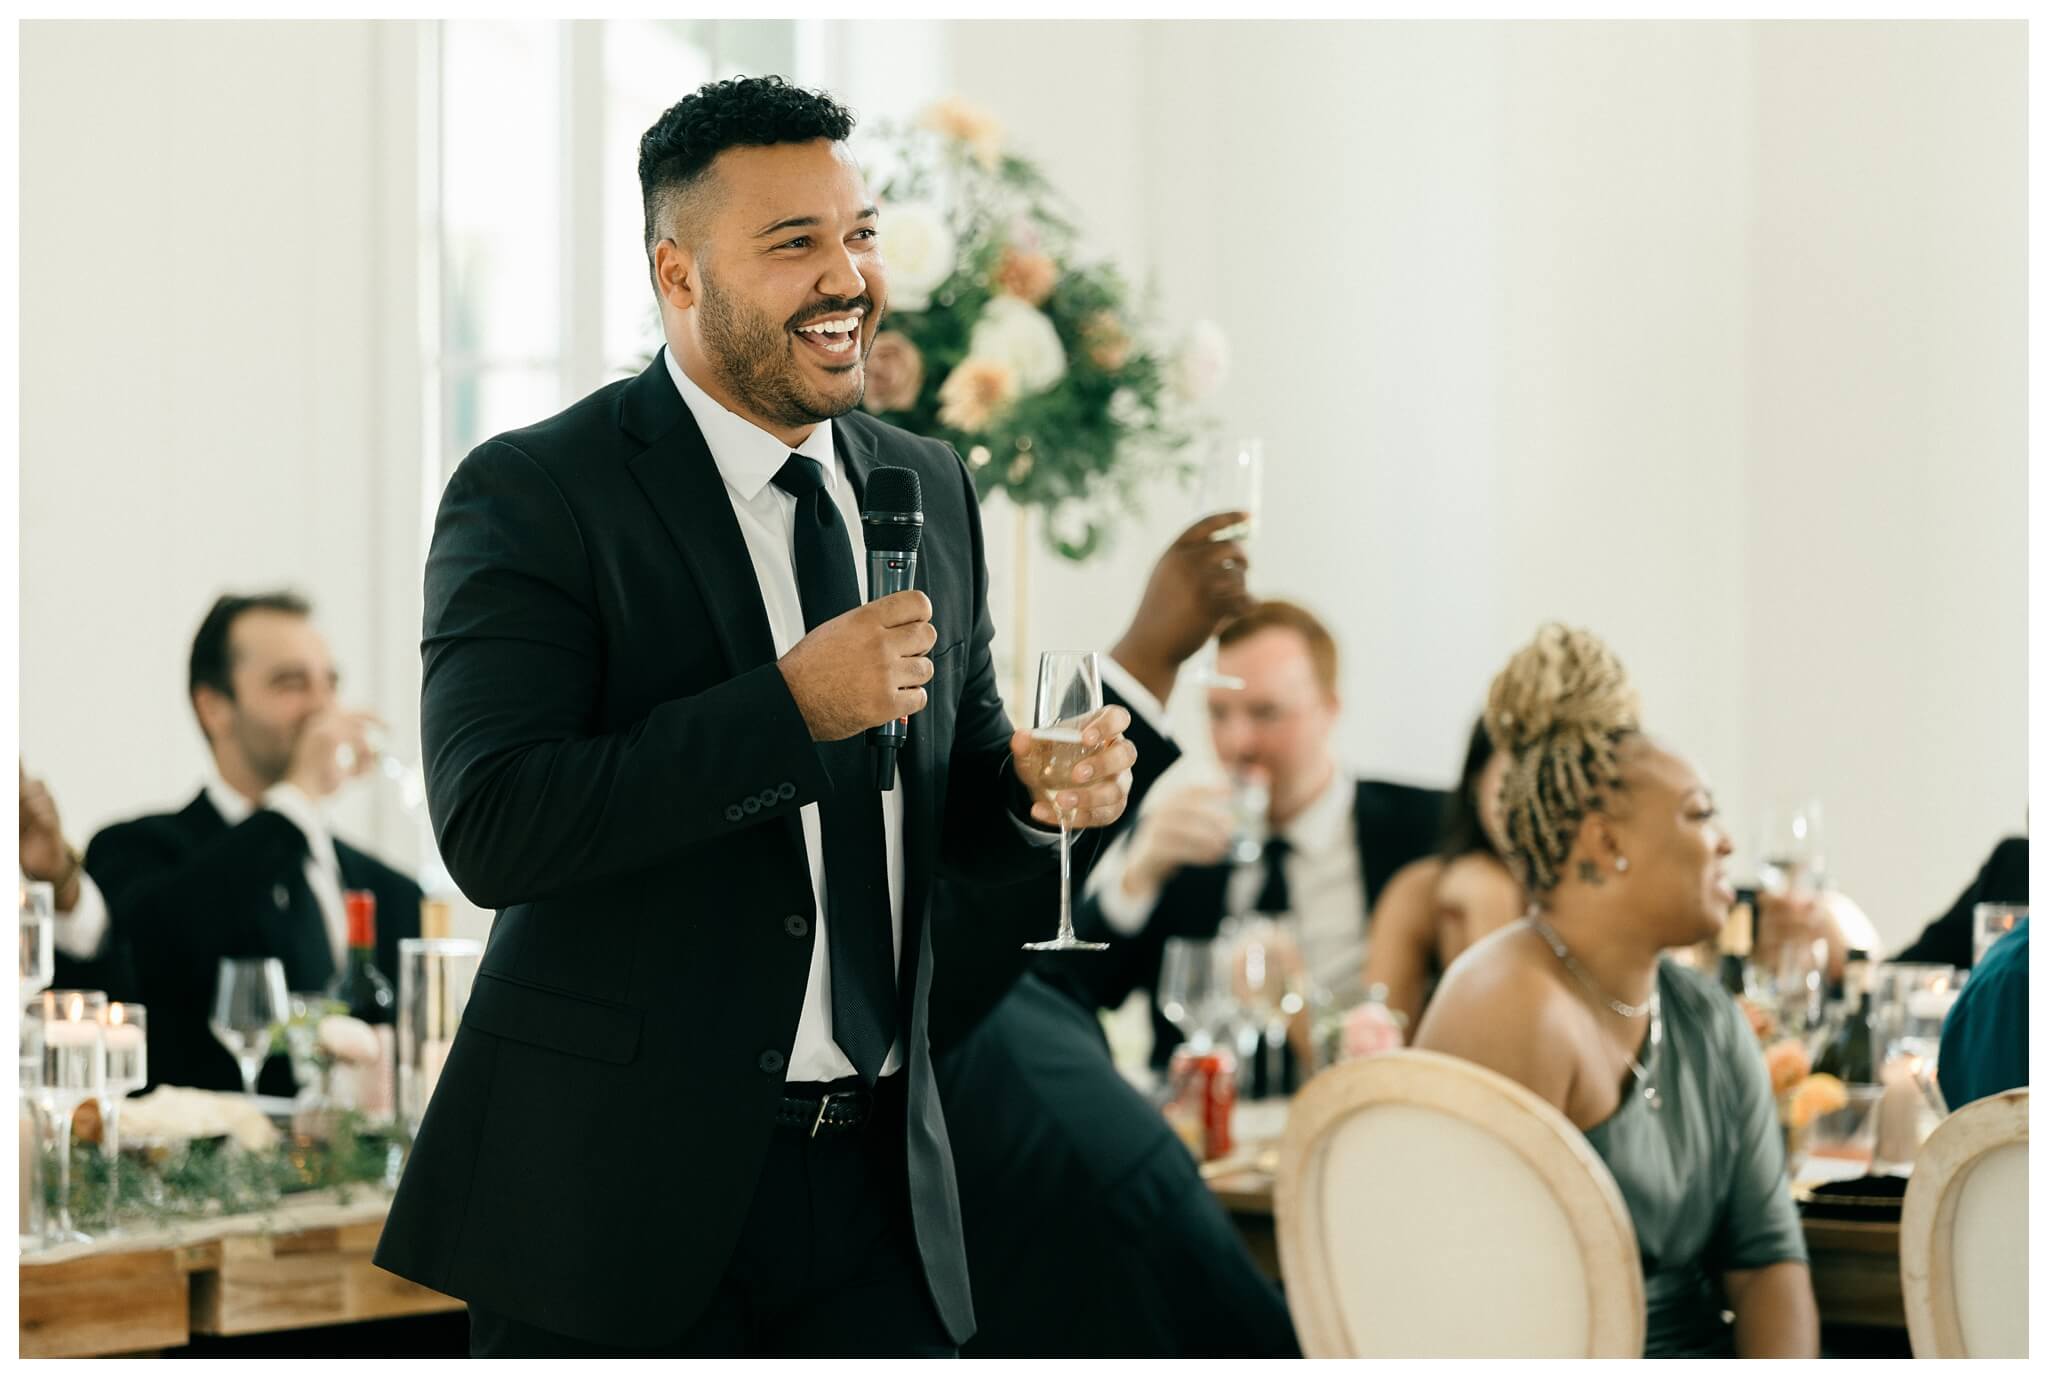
864 667
1190 827
1196 586
316 767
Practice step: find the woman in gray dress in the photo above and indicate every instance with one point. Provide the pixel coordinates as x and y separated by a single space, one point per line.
1617 840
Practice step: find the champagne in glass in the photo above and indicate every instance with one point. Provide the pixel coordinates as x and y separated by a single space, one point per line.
1232 473
73 1071
1069 694
249 1006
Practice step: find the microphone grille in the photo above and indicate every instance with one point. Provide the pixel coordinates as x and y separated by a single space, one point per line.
893 489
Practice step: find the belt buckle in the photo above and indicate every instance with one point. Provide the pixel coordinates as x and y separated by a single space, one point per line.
823 1101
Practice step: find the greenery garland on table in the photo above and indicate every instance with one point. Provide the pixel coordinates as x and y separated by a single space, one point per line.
1037 366
215 1176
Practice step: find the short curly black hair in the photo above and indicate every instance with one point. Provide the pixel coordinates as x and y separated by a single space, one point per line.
741 112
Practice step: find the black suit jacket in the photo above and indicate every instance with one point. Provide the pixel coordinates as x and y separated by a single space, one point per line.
1952 938
1392 826
184 890
614 762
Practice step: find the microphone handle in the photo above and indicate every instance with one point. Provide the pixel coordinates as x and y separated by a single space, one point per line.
889 571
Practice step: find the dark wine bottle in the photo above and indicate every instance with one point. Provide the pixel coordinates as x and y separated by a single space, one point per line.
1738 937
1850 1054
369 996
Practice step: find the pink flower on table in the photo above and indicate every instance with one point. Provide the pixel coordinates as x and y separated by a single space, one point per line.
976 393
895 372
348 1039
1371 1028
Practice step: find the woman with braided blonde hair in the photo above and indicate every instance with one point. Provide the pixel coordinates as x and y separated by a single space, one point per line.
1616 839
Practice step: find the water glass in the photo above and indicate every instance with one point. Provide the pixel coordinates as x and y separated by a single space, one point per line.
127 1037
1232 474
1992 922
434 980
73 1070
1194 988
1249 801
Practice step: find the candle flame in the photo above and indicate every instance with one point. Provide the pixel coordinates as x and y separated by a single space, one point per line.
77 1007
115 1014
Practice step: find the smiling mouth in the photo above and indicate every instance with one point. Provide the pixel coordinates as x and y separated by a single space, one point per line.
834 338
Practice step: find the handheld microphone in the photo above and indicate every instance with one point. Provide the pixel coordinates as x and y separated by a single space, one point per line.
892 523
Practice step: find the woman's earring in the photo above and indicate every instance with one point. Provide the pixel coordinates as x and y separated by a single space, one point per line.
1620 864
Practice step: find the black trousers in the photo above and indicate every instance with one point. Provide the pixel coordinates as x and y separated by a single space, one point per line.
826 1265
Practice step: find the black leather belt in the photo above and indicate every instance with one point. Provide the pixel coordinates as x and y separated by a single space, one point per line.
825 1111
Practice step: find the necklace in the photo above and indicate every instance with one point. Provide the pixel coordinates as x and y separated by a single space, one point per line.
1652 1007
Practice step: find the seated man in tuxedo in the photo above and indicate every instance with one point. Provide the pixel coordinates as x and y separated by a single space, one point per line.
249 868
1089 1230
1333 840
86 956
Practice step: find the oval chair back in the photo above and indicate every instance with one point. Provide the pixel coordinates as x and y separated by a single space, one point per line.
1428 1207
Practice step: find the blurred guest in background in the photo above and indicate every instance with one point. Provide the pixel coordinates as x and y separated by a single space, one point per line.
1984 1039
1952 939
1797 919
1435 908
1089 1229
1332 841
250 867
87 958
1624 857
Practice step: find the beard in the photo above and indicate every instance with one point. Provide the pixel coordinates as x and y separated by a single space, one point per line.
755 359
267 750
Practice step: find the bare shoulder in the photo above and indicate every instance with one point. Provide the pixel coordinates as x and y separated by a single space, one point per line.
1410 891
1500 1006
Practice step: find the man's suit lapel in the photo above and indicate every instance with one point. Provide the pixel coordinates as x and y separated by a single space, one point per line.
682 483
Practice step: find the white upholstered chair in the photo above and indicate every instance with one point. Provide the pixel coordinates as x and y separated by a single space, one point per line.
1963 1235
1427 1207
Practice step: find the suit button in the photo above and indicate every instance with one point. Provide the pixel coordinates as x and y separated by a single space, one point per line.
771 1061
733 813
281 896
751 804
785 790
796 925
768 798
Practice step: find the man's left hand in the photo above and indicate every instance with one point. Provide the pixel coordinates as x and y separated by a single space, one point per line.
1101 782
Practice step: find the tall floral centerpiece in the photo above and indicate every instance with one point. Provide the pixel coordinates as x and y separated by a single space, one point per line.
1035 363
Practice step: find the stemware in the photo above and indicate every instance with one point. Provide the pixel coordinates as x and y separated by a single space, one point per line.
1232 473
73 1070
403 776
1069 695
1194 988
249 1006
38 930
126 1031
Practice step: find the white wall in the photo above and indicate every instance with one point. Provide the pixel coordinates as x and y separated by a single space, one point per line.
218 381
1707 336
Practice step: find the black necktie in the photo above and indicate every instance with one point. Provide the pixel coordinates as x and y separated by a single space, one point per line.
1273 897
303 942
860 945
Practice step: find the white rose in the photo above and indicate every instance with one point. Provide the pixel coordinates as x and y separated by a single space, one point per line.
919 253
1013 332
348 1039
1203 361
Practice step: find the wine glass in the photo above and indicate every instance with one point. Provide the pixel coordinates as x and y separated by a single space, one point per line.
29 1231
1267 980
404 776
249 1006
1069 694
1791 854
1231 474
38 937
1194 988
74 1071
126 1033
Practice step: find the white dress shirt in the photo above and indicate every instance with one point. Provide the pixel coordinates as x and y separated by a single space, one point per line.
323 868
748 459
1325 877
80 929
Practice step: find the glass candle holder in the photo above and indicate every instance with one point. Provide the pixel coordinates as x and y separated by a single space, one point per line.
434 979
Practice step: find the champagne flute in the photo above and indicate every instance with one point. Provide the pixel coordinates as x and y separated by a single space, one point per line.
74 1071
1069 694
126 1034
249 1006
38 937
404 776
1194 990
1231 476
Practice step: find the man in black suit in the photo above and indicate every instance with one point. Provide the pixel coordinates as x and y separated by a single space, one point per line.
678 1118
1090 1232
1333 840
249 868
1951 939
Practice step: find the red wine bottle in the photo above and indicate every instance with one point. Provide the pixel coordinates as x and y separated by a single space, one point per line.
369 997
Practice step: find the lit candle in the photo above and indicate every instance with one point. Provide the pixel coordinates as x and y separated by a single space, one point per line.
123 1038
71 1033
